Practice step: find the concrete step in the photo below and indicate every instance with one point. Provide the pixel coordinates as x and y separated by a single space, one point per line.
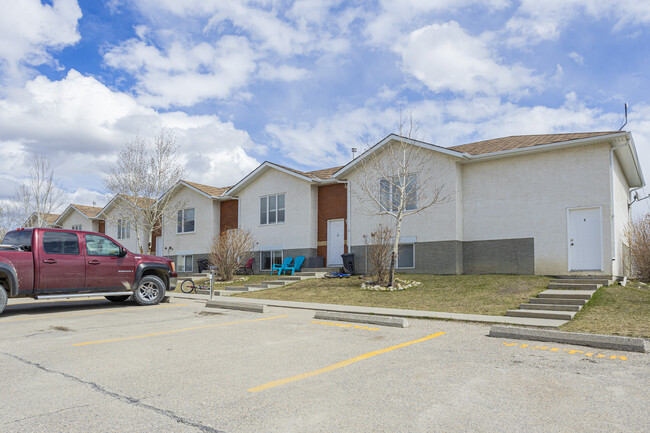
237 289
311 274
554 301
325 270
603 281
567 294
292 278
575 286
552 307
275 283
542 314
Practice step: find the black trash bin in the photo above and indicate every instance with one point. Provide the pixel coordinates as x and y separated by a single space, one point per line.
348 262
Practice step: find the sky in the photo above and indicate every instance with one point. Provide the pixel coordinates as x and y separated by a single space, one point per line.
300 83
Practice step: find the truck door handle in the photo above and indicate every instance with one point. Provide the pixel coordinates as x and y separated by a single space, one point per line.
49 261
93 262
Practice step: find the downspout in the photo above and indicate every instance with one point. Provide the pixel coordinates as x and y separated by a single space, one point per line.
611 202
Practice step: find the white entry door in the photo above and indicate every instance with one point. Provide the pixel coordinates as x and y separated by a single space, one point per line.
159 246
585 240
335 241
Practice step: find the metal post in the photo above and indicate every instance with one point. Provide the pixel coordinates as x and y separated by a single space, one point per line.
211 285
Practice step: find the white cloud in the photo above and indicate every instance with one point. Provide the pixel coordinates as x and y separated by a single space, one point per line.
577 58
29 29
536 21
446 58
281 73
183 75
78 123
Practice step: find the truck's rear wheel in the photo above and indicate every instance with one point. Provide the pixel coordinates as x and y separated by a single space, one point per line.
3 298
150 291
117 298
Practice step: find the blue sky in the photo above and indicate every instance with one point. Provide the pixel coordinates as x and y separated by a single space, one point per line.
302 82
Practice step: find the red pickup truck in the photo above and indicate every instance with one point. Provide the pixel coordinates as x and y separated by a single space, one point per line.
49 263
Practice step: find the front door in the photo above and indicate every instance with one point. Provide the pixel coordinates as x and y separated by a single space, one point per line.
335 242
585 240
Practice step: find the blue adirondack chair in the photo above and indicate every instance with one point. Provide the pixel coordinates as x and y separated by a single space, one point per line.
297 264
283 266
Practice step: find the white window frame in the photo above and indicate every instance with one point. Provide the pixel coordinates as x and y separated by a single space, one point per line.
182 231
265 210
273 255
412 244
389 198
123 229
78 227
181 261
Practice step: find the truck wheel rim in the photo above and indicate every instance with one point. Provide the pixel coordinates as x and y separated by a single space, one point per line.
148 290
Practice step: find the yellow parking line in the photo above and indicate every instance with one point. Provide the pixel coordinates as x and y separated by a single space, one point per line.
339 364
569 351
112 310
155 334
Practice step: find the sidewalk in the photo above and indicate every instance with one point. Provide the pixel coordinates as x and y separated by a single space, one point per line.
396 312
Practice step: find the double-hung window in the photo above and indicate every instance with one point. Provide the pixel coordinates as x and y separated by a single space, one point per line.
390 192
123 229
184 263
77 227
185 221
270 258
272 209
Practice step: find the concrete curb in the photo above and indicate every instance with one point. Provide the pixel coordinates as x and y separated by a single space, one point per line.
613 342
398 322
244 306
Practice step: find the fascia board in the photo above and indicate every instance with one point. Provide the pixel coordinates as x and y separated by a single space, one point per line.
393 137
258 172
65 213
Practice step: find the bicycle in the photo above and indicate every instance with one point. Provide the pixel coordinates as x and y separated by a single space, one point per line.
188 286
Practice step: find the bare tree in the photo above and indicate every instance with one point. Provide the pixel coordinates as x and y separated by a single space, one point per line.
140 177
379 253
637 235
230 250
38 197
398 180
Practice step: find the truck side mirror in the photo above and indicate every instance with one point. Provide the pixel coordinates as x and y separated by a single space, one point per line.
122 252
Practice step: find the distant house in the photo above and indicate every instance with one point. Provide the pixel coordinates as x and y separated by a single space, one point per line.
291 212
205 212
121 225
81 217
45 220
553 204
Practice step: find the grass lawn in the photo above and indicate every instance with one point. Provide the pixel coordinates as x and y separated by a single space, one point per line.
252 279
615 310
471 294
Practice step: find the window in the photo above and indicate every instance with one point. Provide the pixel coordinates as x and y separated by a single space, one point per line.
77 227
101 246
272 209
184 263
60 243
18 238
185 221
123 229
270 258
390 194
406 256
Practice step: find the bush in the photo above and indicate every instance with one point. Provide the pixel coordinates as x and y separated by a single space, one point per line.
230 250
379 252
638 238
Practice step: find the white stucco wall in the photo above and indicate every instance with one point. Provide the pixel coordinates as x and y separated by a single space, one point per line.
621 216
131 243
528 196
437 223
301 211
206 225
76 218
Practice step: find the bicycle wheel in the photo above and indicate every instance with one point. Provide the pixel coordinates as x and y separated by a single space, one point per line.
187 286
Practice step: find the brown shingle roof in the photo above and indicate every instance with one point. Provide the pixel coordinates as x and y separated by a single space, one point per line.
521 141
325 173
89 211
141 202
51 218
212 191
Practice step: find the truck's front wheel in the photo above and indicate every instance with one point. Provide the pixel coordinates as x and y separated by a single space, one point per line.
150 291
3 298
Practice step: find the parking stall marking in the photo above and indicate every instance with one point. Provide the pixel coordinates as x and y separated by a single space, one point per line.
112 310
569 351
155 334
345 325
340 364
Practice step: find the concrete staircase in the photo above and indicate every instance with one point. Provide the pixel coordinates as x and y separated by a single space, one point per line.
563 299
283 280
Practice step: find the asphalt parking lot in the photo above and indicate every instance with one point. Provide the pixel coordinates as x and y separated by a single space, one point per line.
96 366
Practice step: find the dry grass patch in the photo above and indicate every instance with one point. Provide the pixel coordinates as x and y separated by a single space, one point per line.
469 294
615 310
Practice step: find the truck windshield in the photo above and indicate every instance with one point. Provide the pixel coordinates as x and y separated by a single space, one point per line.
18 238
